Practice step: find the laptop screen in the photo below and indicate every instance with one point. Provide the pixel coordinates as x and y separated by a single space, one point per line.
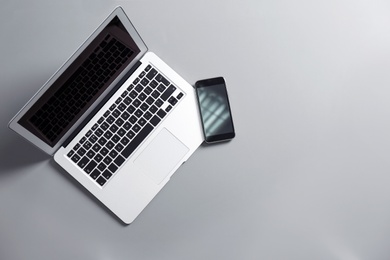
81 83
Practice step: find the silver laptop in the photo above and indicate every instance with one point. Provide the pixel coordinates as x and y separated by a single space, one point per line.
115 117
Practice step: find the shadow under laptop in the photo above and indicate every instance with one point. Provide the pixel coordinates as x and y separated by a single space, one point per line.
85 192
16 153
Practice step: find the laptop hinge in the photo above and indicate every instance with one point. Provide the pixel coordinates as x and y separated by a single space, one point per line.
100 105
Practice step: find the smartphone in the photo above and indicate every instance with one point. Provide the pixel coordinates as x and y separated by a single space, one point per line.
215 110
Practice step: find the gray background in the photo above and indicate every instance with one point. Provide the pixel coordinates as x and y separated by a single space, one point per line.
307 176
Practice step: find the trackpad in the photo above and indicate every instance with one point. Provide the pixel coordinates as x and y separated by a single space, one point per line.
161 156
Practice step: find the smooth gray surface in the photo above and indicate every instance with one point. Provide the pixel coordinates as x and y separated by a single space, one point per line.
307 176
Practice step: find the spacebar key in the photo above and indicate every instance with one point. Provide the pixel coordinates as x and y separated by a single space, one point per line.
137 140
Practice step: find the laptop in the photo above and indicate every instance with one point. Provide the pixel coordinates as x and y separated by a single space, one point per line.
115 117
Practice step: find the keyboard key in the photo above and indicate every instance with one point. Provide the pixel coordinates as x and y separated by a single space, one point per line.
142 96
101 120
130 134
131 85
158 103
122 107
107 174
102 166
109 145
168 92
121 132
139 88
113 153
133 119
161 113
83 162
104 151
98 157
107 160
161 88
172 101
77 146
81 151
94 174
92 139
101 181
126 125
90 154
115 138
137 140
94 127
136 128
136 103
75 158
82 140
144 107
119 147
108 135
124 94
87 145
116 113
119 122
142 74
70 154
91 165
102 140
141 121
99 132
153 84
161 78
148 90
155 120
125 115
127 101
112 167
104 126
138 113
96 147
133 94
147 115
151 74
110 120
125 141
155 94
131 109
119 160
144 82
153 109
149 100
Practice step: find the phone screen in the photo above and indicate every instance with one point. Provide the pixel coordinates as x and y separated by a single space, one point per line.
215 110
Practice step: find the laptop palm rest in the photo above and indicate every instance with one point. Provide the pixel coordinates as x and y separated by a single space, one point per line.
163 162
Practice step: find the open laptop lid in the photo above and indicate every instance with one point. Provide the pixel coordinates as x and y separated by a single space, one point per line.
67 98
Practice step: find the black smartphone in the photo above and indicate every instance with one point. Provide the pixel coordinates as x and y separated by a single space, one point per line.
215 110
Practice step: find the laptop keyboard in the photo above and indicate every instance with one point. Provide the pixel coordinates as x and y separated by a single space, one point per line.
123 127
